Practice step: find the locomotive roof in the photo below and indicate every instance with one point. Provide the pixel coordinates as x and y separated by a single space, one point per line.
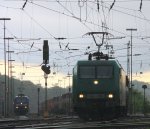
104 62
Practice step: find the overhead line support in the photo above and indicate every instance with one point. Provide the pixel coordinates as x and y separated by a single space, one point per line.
5 92
131 29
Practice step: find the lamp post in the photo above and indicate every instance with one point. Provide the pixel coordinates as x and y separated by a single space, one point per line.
144 87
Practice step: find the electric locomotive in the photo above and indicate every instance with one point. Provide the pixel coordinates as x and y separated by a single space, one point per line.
21 104
100 88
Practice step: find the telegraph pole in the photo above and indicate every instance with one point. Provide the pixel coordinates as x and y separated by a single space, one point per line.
5 94
131 29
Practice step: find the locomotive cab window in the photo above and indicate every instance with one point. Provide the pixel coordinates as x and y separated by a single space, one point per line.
18 100
95 71
104 71
86 72
21 99
24 100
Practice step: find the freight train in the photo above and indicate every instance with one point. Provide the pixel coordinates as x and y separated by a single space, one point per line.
60 105
21 104
100 88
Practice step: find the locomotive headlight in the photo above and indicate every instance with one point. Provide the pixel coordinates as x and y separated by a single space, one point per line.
95 82
110 96
81 96
17 107
25 107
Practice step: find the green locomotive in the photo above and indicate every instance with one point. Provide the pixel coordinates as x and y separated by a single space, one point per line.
99 89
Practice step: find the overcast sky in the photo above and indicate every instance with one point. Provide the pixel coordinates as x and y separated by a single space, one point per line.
33 21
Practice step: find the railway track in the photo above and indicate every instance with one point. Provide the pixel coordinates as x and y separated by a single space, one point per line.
76 123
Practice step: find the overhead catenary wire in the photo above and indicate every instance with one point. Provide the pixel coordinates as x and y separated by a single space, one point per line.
92 22
112 5
141 3
87 23
24 4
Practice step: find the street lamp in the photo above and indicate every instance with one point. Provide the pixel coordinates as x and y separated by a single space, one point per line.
144 87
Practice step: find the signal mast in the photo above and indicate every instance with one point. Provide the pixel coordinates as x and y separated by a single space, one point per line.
46 68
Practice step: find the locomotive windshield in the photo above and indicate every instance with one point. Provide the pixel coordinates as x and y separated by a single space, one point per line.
95 72
87 72
21 100
104 71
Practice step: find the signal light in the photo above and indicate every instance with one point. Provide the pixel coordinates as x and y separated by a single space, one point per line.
45 52
46 69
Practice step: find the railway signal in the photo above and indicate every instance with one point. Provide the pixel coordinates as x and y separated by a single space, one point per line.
46 68
45 52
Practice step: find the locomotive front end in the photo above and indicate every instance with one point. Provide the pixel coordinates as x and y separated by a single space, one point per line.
96 89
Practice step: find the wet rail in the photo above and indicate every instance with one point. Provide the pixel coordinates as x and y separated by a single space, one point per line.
73 122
